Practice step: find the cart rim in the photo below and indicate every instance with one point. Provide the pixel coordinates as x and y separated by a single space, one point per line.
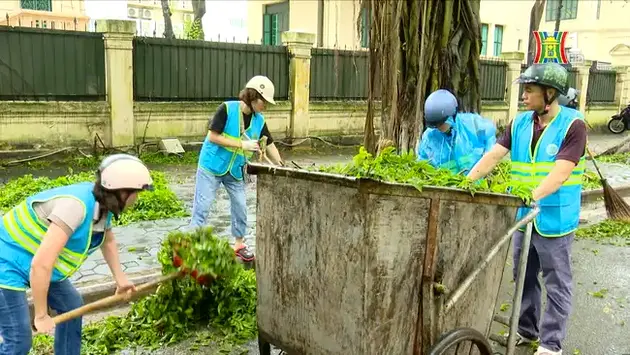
373 186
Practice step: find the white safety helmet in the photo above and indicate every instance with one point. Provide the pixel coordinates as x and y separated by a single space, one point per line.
570 99
263 86
124 171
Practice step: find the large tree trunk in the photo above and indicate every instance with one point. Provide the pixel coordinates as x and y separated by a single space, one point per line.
535 18
417 47
199 9
168 24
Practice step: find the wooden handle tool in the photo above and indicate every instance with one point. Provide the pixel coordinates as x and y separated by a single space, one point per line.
115 299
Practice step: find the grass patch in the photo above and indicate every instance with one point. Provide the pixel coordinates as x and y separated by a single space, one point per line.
83 162
607 232
620 158
160 203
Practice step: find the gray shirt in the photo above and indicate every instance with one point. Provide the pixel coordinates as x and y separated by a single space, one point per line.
67 213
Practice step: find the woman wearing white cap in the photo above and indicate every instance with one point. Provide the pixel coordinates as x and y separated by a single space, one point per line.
233 136
46 238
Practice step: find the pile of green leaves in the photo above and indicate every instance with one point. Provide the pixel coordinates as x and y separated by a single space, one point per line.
178 308
200 252
91 162
620 158
151 205
607 232
404 168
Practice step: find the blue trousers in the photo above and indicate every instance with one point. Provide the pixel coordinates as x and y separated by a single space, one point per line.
15 320
206 186
552 256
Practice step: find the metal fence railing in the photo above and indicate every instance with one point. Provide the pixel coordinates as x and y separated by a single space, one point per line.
44 64
339 74
601 85
187 70
47 64
493 79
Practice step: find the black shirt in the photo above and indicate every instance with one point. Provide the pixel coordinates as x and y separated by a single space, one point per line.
218 122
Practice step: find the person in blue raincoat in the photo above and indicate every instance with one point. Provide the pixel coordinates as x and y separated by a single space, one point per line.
453 140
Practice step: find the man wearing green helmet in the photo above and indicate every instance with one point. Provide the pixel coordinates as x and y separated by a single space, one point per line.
547 145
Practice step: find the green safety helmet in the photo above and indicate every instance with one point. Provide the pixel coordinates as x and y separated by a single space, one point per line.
547 75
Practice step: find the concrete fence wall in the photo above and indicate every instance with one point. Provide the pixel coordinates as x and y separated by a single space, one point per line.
119 121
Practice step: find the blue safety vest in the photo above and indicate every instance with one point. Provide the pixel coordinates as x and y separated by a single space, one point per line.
560 211
220 160
21 233
471 137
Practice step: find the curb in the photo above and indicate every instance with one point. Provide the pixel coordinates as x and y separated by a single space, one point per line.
594 195
94 290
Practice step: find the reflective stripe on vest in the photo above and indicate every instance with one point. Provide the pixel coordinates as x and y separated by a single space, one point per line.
22 233
536 172
23 225
559 214
28 233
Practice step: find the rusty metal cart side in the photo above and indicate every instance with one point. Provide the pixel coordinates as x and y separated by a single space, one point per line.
355 266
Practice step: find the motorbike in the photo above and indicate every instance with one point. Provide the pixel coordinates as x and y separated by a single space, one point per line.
620 122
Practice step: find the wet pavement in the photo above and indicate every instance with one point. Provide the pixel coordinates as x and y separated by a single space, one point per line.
597 324
140 242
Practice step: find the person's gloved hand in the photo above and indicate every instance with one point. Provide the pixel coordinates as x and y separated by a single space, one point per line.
251 146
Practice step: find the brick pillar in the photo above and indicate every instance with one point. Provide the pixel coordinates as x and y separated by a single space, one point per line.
118 36
581 83
514 60
622 89
299 45
621 63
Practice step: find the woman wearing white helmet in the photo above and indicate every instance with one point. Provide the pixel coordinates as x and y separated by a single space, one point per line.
232 138
45 239
569 100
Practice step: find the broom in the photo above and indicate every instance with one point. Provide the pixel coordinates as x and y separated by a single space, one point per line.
616 207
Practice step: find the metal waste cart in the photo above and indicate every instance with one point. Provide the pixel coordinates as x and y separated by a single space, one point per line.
357 266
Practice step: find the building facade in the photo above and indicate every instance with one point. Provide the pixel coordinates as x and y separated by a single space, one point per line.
54 14
595 27
147 14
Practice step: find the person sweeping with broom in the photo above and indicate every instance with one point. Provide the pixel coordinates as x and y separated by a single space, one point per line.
45 239
547 146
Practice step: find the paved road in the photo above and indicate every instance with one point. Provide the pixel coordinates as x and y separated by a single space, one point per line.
600 318
596 323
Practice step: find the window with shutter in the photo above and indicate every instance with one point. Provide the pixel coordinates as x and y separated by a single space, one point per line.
484 39
275 21
498 40
39 5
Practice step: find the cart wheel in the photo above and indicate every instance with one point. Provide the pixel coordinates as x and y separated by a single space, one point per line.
459 336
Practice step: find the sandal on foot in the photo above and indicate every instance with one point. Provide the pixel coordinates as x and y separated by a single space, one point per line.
244 253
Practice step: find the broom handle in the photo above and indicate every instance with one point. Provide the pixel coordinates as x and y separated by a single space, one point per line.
595 163
111 300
